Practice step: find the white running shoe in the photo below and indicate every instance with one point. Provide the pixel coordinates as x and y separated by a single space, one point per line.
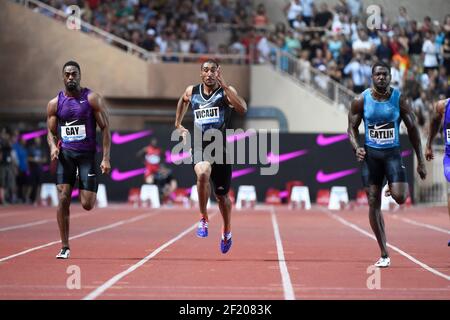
383 262
63 254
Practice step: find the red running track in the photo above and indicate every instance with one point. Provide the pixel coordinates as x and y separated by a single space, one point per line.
138 253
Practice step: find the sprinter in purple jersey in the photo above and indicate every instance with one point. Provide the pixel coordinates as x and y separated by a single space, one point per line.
441 110
72 118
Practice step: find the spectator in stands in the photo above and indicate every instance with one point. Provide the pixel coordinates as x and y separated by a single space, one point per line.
402 18
22 172
323 18
292 10
36 159
308 9
360 73
260 18
363 45
430 52
384 51
396 75
7 168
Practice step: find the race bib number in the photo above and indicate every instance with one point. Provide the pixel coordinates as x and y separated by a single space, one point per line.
382 133
207 115
448 135
73 133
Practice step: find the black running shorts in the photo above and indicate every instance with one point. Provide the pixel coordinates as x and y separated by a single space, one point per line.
220 172
382 163
66 172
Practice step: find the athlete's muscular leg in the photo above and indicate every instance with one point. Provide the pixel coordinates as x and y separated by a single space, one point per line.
63 212
399 191
203 172
225 209
88 199
376 217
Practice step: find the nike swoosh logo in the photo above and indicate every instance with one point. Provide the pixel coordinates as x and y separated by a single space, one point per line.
117 138
325 141
273 158
72 122
379 127
91 175
243 172
205 105
33 134
240 136
172 157
322 177
116 175
82 101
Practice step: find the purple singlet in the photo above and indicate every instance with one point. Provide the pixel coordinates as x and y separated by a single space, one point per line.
447 141
76 122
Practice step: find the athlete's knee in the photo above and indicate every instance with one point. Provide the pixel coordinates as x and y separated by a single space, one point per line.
64 199
400 198
222 198
203 176
88 204
374 200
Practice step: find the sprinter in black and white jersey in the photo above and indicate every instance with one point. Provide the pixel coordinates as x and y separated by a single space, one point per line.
212 102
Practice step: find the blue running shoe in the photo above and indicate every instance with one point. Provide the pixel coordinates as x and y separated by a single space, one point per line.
202 229
226 242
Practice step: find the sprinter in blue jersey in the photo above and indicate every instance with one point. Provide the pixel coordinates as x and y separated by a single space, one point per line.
383 108
441 111
212 102
72 118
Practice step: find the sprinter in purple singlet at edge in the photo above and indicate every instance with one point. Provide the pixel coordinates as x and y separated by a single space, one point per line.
72 117
441 110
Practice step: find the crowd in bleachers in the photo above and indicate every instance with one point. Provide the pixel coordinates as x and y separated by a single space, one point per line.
22 164
337 41
341 43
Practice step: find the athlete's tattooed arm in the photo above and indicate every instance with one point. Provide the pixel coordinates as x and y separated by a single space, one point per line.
407 115
435 123
102 117
233 98
182 106
355 116
52 126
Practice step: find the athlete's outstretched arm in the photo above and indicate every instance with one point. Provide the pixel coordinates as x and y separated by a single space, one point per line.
52 127
355 115
233 98
407 115
435 123
102 117
182 106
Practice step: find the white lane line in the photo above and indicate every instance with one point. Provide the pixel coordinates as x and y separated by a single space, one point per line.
403 253
420 224
286 279
110 226
108 284
39 222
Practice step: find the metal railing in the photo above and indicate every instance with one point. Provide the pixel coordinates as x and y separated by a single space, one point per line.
305 75
433 190
131 48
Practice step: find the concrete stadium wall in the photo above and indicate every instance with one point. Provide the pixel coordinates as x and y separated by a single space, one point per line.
305 112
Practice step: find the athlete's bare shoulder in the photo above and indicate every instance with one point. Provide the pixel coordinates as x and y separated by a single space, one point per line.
188 93
52 106
440 106
357 105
